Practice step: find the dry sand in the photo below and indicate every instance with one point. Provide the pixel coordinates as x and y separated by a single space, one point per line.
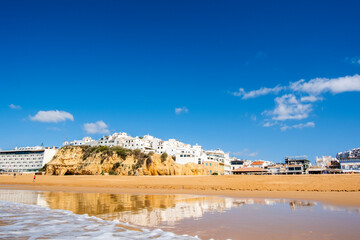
332 189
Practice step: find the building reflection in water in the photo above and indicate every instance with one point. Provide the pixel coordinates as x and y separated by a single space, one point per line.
141 210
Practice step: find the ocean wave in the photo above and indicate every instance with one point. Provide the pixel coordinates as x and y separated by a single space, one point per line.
19 220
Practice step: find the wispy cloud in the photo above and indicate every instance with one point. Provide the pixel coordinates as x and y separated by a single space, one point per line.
310 99
99 127
298 126
353 60
52 116
269 123
245 153
181 110
54 129
13 106
257 93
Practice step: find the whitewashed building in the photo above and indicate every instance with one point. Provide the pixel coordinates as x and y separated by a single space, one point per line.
350 161
324 161
183 153
220 157
191 154
25 159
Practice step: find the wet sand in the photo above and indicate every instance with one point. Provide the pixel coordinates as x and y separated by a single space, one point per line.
341 190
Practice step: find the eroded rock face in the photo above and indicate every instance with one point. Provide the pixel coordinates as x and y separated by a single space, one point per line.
83 160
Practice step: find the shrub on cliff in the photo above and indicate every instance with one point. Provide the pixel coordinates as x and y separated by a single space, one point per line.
43 169
149 161
116 165
164 157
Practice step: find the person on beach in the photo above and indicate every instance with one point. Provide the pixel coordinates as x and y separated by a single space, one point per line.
14 175
34 178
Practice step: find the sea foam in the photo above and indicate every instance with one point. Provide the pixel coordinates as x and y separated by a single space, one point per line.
19 220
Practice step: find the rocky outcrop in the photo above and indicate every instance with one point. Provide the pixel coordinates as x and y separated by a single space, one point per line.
86 160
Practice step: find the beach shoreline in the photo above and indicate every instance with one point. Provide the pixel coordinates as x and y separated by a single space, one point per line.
338 190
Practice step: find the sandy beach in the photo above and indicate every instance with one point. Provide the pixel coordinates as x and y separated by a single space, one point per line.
342 190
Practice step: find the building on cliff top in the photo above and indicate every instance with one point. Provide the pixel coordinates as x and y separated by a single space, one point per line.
183 153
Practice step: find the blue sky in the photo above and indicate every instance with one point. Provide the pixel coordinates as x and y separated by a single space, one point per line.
258 79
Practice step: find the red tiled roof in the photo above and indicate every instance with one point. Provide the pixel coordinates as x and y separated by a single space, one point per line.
258 163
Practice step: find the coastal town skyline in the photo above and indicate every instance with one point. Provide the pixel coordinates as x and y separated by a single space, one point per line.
279 83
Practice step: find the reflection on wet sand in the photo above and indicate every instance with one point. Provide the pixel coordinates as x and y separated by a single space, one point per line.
205 216
142 210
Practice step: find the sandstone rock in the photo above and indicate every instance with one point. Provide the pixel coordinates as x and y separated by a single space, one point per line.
85 160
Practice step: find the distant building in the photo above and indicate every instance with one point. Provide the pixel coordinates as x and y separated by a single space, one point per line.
236 163
277 169
220 157
296 165
26 159
324 161
349 160
294 169
250 171
261 164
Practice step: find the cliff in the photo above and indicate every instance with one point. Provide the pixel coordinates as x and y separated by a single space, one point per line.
86 160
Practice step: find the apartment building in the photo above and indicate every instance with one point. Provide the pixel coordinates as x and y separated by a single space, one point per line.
349 161
25 159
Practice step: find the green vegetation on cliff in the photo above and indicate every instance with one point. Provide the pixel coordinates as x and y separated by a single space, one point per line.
95 160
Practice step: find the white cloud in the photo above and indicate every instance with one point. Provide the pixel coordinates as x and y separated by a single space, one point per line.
288 107
97 127
181 110
269 124
310 99
13 106
298 126
353 60
322 85
245 153
257 93
52 116
54 129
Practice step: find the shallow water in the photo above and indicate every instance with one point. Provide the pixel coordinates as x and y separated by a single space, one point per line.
49 215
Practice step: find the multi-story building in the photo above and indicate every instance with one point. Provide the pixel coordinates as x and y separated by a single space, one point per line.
236 163
324 161
26 159
193 154
220 157
349 160
296 165
277 169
